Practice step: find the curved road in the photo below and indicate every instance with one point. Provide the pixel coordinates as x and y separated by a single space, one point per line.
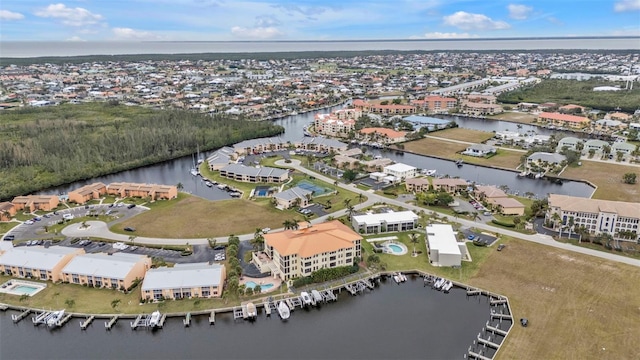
99 229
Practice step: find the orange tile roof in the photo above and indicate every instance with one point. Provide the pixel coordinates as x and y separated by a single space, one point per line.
390 133
314 240
563 117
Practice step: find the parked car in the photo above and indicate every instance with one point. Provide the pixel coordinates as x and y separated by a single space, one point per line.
471 237
130 229
9 237
501 246
131 206
266 230
29 222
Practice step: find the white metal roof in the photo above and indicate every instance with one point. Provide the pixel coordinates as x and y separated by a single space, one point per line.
183 276
442 238
115 266
389 218
399 167
35 257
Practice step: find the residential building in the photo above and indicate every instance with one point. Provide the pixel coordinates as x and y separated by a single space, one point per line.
345 162
385 222
623 147
401 171
507 205
610 125
221 158
153 191
33 203
442 246
450 185
391 109
594 145
321 144
479 150
258 146
383 135
570 142
455 89
7 211
115 271
417 184
37 262
296 196
564 120
436 103
541 158
338 123
481 98
596 216
298 253
485 192
479 108
377 164
88 192
184 281
265 174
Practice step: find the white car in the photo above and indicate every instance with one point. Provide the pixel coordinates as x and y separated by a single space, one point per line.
266 230
68 216
29 222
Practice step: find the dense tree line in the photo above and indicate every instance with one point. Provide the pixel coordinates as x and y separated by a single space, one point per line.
45 147
576 92
327 274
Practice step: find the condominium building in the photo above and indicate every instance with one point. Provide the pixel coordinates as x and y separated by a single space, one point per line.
321 144
391 109
87 193
265 174
401 171
383 135
7 211
257 146
184 281
153 191
37 262
417 184
221 158
443 247
116 271
296 196
385 222
36 202
564 120
436 103
450 185
298 253
337 123
617 218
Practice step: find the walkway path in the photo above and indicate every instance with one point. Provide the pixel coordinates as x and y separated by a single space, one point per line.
100 229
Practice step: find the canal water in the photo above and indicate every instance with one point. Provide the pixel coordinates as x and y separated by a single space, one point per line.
406 321
176 171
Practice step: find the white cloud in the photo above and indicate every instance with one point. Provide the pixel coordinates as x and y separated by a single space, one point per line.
261 33
519 12
76 38
70 16
468 21
10 15
131 34
452 35
627 5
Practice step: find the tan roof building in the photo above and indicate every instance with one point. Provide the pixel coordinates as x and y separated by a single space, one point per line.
417 184
36 202
154 191
449 185
298 253
7 211
87 192
508 206
489 192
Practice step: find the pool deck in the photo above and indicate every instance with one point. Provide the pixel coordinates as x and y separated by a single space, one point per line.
263 281
9 287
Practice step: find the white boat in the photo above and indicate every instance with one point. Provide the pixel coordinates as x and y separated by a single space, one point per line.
283 310
208 183
55 317
396 278
155 319
402 277
194 171
251 310
438 283
306 299
316 296
222 186
431 172
447 286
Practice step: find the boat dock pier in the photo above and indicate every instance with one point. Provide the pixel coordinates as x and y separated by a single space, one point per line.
16 318
474 355
497 301
238 313
87 322
109 324
3 307
145 321
64 320
212 318
296 302
496 330
473 292
501 316
267 306
41 318
487 342
187 320
328 295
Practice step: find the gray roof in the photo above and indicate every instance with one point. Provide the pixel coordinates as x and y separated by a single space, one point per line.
548 157
569 140
481 147
323 141
183 276
115 266
257 142
595 142
293 193
35 257
623 145
252 171
221 156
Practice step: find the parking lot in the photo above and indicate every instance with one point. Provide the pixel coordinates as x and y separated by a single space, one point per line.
485 239
371 183
315 209
328 170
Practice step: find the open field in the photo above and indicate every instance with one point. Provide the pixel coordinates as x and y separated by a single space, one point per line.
519 117
450 150
573 312
470 135
608 178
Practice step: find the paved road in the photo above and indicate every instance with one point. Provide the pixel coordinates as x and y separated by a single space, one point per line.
99 229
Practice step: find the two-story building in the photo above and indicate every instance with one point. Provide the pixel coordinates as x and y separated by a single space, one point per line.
184 281
400 171
33 203
296 196
385 222
264 174
37 262
88 192
115 271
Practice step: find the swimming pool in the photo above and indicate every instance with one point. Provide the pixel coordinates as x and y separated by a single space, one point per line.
395 248
317 190
262 191
21 287
263 287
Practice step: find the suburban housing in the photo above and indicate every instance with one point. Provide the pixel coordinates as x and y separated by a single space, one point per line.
116 271
385 222
184 281
442 246
37 262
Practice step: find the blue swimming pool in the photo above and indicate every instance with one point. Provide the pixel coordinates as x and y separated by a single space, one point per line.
262 191
317 190
395 248
263 287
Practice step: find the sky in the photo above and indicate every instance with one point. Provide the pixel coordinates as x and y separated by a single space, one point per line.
232 20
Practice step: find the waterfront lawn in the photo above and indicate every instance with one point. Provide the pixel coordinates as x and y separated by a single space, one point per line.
503 158
194 217
578 306
608 178
461 134
436 147
519 117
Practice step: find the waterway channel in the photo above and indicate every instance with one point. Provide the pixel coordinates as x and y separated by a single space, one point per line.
405 321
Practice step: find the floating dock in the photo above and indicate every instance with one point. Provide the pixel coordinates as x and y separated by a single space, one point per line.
87 322
212 318
109 324
328 295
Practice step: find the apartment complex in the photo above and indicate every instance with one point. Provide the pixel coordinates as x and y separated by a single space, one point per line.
383 135
298 253
33 203
87 193
564 120
37 262
265 174
417 184
385 222
296 196
436 103
115 271
184 281
499 200
338 123
617 218
257 146
450 185
392 109
7 211
153 191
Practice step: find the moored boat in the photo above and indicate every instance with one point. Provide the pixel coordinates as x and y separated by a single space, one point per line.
155 319
306 299
55 317
283 310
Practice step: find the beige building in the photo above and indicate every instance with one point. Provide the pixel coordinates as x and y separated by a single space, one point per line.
115 271
452 186
7 211
153 191
37 262
298 253
265 174
417 184
296 196
87 193
33 203
184 281
508 206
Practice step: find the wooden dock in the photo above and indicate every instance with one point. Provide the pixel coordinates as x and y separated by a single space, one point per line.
212 318
497 301
267 307
87 322
328 295
64 320
473 292
496 330
238 313
139 321
109 324
501 316
163 318
475 355
487 342
290 304
17 318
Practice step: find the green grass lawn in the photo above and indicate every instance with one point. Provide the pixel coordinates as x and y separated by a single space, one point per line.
6 226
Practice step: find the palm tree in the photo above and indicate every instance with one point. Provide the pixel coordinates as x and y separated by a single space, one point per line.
414 240
294 224
555 217
179 186
350 211
287 224
258 240
360 197
347 202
